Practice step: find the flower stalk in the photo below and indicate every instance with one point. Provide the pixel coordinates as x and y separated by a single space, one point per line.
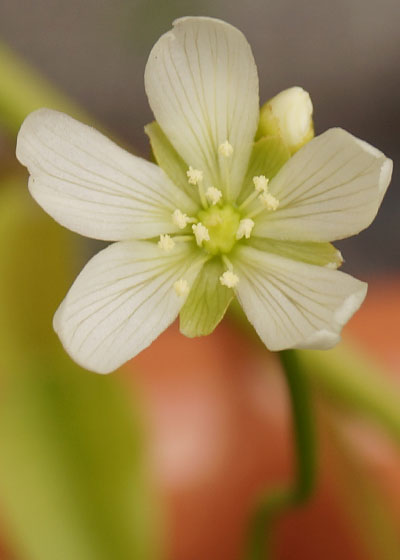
274 503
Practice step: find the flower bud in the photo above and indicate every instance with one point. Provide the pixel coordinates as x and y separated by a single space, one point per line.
288 115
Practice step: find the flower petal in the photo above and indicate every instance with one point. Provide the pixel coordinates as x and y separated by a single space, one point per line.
202 85
330 189
122 300
293 304
91 185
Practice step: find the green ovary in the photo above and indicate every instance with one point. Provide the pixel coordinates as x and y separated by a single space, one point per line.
222 224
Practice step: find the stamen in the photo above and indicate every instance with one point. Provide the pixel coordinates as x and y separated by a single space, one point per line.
180 219
195 176
245 228
225 149
201 233
261 183
213 195
269 201
166 243
229 279
181 287
260 186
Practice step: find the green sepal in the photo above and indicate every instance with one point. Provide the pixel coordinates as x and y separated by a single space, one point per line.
268 155
311 252
207 302
169 160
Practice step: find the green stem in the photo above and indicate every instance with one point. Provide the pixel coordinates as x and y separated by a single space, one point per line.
349 377
279 500
23 90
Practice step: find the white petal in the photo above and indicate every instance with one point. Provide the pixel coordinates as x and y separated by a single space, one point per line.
202 85
330 189
122 300
91 185
293 304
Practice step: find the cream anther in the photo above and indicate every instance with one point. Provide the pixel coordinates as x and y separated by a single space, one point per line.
181 287
201 233
245 228
229 279
195 176
180 219
213 195
269 201
166 243
225 149
261 183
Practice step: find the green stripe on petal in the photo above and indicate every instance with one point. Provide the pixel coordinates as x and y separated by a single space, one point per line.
207 302
168 159
269 154
321 254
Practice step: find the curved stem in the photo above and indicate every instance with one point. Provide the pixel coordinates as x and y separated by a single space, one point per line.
278 501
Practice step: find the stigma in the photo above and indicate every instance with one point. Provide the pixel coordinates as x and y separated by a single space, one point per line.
213 195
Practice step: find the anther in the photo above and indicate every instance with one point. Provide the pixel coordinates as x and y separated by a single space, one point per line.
261 183
181 287
225 149
195 176
229 279
201 233
180 219
269 201
166 243
245 228
213 195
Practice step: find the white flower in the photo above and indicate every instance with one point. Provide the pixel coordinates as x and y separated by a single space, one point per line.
177 253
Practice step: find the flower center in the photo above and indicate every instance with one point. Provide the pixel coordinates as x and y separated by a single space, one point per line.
222 224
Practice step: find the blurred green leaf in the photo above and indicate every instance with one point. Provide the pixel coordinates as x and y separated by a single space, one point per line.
351 378
362 497
23 90
73 464
38 265
73 480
